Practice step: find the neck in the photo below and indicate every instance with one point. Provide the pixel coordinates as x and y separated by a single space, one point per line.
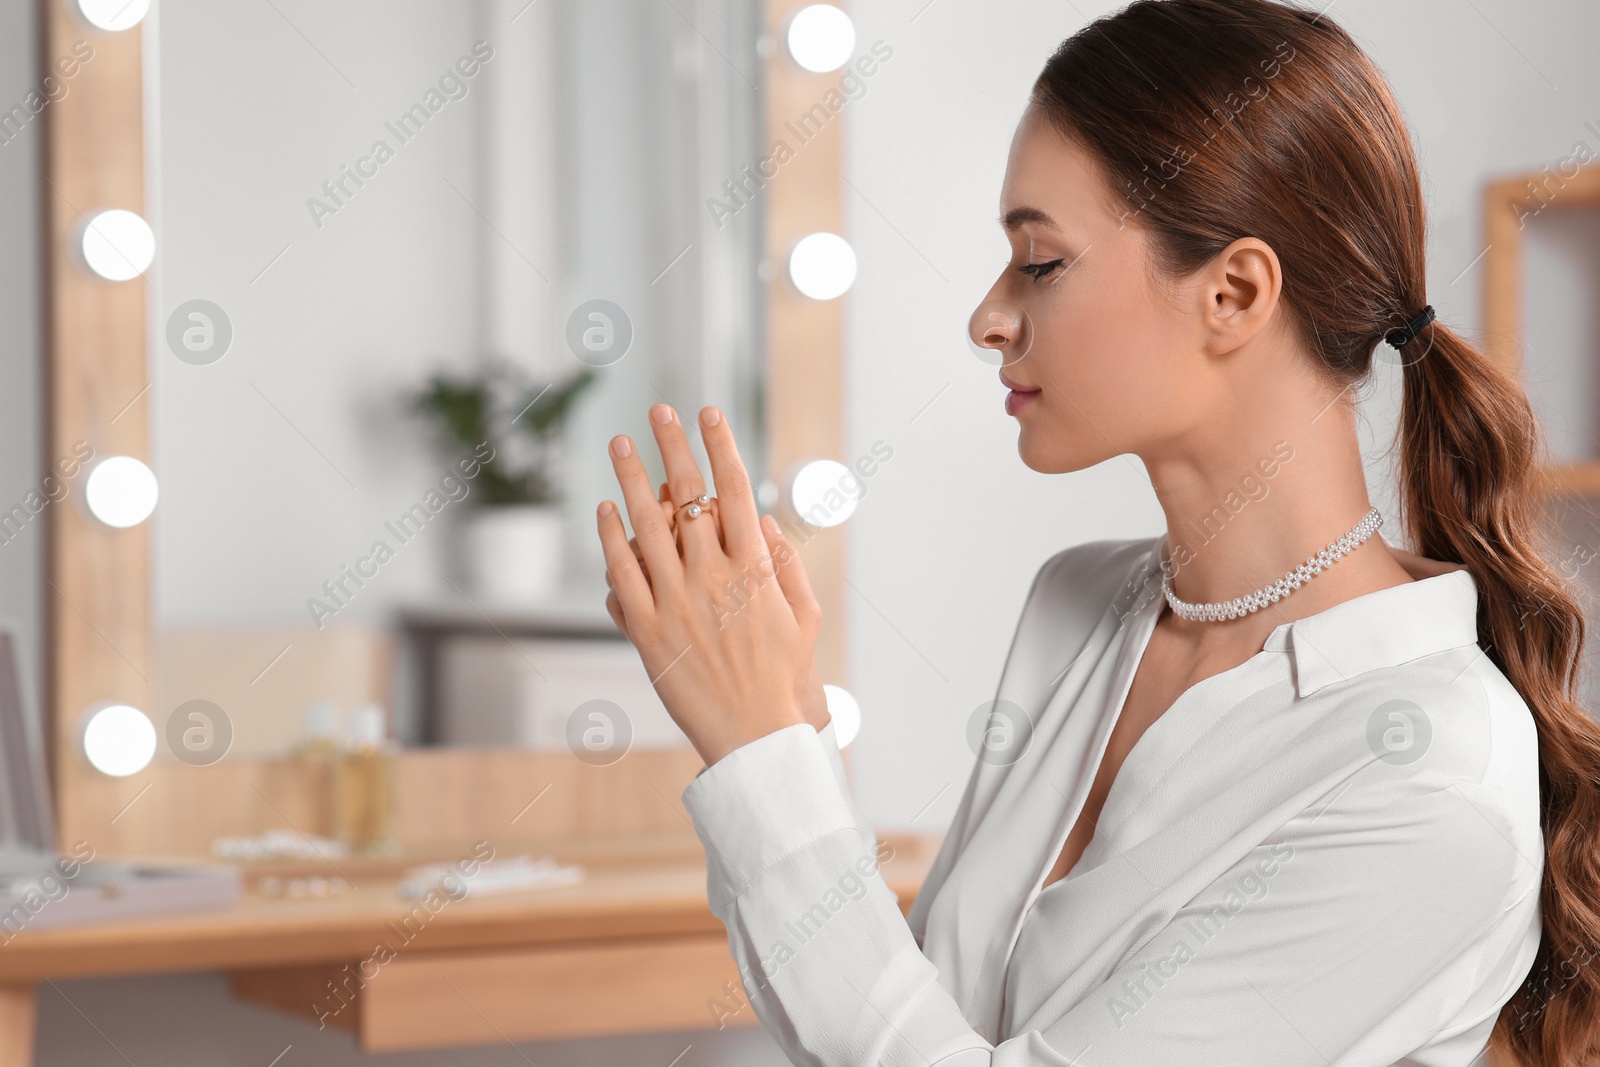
1246 508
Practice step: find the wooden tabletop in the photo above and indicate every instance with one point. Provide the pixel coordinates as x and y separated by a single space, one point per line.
632 889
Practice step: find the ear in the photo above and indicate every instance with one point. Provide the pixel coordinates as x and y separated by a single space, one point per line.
1241 287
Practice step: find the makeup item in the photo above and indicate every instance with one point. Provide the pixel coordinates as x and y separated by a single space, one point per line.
322 730
366 785
277 845
317 754
496 876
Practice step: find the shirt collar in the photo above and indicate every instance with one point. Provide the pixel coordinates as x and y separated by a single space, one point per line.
1435 612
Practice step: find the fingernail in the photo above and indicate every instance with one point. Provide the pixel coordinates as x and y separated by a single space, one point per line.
606 508
771 524
711 416
661 414
622 447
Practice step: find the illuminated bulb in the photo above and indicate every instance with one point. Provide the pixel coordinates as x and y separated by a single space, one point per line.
118 245
824 492
120 491
822 266
113 15
846 714
821 38
119 740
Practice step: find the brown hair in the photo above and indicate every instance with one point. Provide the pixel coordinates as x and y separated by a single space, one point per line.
1220 119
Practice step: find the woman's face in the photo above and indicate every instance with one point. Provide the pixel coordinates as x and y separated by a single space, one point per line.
1093 347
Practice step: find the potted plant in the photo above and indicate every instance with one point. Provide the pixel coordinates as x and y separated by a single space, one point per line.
510 536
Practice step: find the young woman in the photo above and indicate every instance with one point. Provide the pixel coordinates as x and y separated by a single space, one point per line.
1234 808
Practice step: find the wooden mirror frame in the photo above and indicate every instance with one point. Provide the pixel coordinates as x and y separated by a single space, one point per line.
97 617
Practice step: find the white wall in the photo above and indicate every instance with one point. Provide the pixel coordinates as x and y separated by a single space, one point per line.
281 462
953 528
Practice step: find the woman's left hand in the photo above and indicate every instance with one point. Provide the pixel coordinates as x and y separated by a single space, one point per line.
721 611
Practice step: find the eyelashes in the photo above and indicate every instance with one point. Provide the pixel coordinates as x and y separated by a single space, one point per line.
1040 271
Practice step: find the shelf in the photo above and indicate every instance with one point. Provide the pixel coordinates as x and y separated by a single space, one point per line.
1509 203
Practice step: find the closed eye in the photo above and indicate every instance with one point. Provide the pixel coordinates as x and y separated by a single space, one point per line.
1038 271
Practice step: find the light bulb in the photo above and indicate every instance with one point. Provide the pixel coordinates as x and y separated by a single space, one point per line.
118 245
821 38
846 714
822 266
119 740
824 492
120 491
113 15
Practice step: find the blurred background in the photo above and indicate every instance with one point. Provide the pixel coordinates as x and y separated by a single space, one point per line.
425 347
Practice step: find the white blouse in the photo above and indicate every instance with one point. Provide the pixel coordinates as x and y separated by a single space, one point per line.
1328 855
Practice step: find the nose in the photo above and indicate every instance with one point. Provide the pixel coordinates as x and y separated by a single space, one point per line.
1000 331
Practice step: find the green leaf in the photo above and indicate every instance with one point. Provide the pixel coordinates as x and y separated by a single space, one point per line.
492 406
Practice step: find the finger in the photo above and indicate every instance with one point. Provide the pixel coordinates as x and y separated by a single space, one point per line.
792 577
633 543
614 607
716 524
685 483
672 524
644 515
736 500
643 566
668 513
628 583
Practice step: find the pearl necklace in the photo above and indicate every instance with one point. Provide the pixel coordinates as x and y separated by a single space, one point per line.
1222 611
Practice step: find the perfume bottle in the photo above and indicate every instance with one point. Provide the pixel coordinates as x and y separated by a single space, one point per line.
366 785
321 737
317 754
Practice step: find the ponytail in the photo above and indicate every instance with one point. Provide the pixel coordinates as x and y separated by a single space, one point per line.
1471 492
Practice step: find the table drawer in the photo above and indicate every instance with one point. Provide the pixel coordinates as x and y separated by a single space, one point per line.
436 999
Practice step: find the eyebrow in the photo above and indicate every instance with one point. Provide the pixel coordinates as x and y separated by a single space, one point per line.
1019 215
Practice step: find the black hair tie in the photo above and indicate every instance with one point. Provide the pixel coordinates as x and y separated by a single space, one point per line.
1401 336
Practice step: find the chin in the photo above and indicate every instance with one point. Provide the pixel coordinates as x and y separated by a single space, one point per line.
1054 457
1042 459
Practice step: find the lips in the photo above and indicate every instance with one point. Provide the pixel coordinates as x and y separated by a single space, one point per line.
1019 397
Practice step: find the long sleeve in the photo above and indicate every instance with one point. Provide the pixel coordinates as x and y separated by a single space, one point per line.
830 746
818 937
1320 947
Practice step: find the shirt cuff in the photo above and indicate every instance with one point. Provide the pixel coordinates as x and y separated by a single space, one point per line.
763 801
830 745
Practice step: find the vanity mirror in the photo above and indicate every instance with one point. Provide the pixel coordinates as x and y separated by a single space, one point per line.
345 304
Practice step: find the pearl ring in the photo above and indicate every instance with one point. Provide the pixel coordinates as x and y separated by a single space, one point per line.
695 506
